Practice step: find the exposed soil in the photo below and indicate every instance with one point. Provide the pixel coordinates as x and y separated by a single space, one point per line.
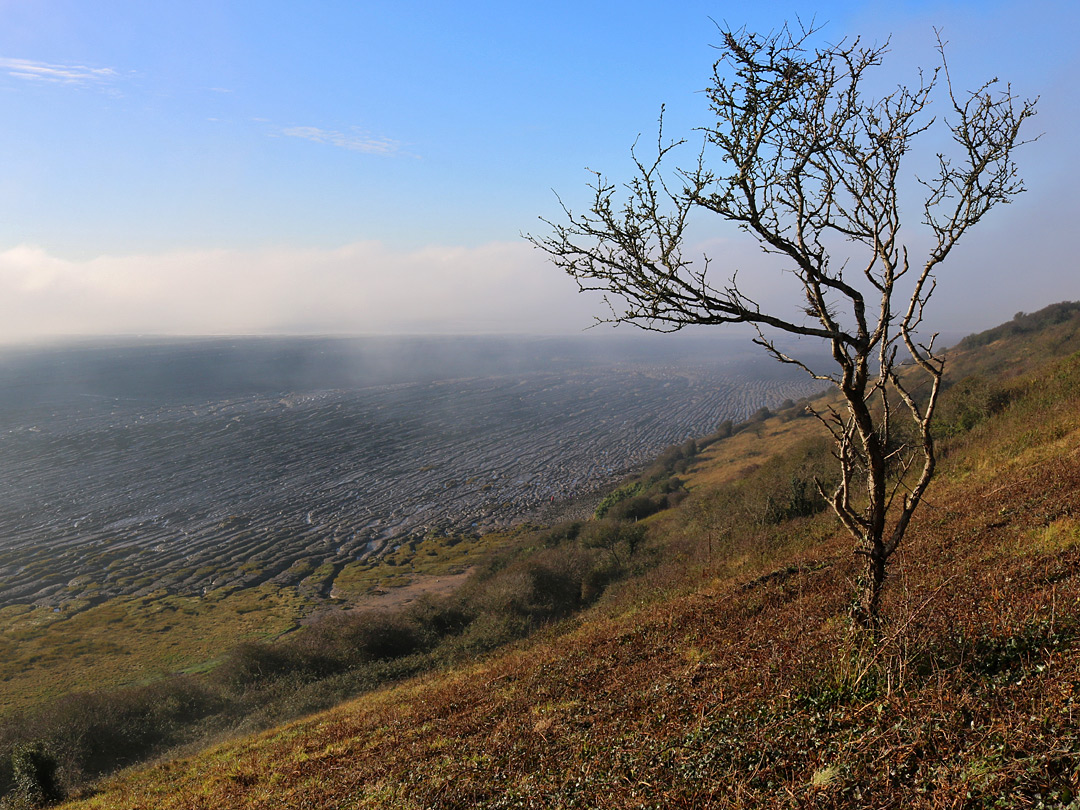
393 598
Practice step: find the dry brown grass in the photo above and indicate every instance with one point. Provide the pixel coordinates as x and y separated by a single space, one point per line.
730 459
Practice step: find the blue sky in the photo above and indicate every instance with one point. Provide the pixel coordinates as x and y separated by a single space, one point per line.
241 167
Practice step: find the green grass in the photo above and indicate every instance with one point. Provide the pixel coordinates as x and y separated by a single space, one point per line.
45 653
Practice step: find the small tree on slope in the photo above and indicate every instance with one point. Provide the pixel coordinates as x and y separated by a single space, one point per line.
803 159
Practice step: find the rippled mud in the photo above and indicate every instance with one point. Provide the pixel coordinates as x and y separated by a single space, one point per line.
102 496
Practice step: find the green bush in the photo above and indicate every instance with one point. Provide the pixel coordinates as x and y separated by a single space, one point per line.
623 493
636 508
967 404
613 537
561 533
34 779
643 497
673 460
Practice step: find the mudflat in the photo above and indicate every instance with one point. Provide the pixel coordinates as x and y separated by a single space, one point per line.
245 482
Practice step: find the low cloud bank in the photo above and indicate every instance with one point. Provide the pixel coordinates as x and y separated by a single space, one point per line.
499 287
360 288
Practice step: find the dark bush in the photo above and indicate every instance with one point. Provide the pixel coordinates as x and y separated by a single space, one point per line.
760 415
331 645
35 784
437 617
636 508
555 591
614 537
562 533
545 586
802 499
668 485
376 636
490 631
596 580
252 663
674 498
339 641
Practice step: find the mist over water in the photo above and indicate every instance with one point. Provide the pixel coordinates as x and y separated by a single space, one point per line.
166 370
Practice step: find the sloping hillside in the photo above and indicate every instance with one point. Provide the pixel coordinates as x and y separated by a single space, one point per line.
724 674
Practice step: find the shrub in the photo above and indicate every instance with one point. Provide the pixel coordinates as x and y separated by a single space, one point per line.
490 631
596 580
801 499
546 585
34 775
668 485
636 508
673 499
562 533
621 494
760 415
438 617
968 403
371 635
252 663
613 537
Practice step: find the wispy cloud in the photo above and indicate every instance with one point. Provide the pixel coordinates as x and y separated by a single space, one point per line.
357 141
56 74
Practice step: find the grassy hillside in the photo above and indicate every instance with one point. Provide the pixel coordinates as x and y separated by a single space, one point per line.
718 670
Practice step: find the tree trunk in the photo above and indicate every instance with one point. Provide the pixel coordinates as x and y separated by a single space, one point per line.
866 612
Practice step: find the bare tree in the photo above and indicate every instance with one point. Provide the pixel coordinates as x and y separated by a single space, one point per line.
809 164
